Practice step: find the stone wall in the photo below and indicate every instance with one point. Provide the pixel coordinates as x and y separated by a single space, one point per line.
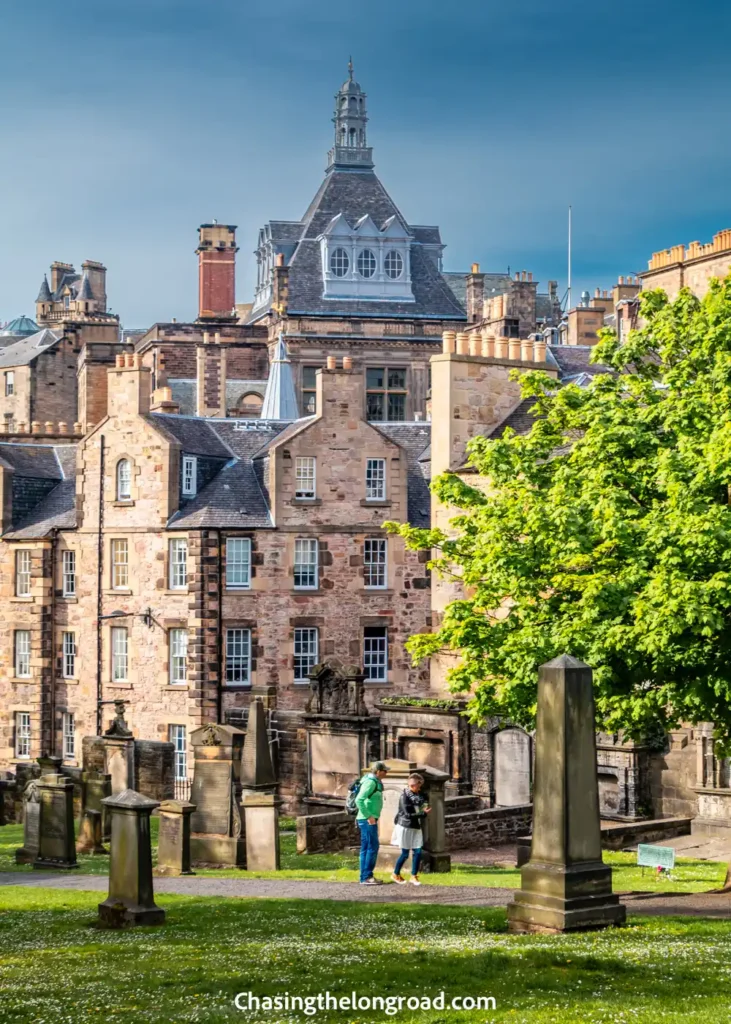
490 826
326 833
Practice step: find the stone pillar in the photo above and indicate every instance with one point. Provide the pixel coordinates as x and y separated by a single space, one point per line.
119 752
31 824
56 825
257 769
173 846
436 858
565 886
261 811
131 900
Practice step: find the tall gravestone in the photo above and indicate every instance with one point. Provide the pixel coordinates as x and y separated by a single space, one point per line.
565 885
257 768
119 751
131 899
56 823
217 833
31 824
435 857
173 844
261 811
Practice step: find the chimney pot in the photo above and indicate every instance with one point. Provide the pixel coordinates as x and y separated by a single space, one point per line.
462 343
48 427
501 348
621 280
78 429
280 259
475 343
119 361
63 428
35 427
475 268
449 341
514 349
488 345
331 363
347 363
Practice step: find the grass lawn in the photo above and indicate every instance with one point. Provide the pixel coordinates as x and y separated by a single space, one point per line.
55 968
689 875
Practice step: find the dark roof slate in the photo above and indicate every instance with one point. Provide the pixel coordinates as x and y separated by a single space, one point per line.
195 434
36 467
33 460
57 510
232 499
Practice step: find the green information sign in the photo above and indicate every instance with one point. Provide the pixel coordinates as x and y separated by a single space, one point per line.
655 856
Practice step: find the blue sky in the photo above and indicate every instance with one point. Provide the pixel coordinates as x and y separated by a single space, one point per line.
126 123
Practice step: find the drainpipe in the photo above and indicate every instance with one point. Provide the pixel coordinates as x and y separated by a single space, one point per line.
219 638
99 581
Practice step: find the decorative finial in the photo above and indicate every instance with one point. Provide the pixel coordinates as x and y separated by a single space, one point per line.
350 68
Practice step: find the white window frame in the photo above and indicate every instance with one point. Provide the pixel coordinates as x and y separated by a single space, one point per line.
23 563
190 476
305 477
238 569
178 666
177 735
306 563
68 644
69 736
21 654
375 479
9 383
306 652
68 573
119 646
22 735
120 567
375 655
124 480
238 656
178 563
375 563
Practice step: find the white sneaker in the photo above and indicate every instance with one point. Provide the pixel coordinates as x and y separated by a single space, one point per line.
415 880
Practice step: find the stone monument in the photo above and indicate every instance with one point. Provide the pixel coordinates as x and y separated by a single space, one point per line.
435 857
173 844
261 811
131 899
340 732
216 826
56 823
31 824
119 751
257 769
565 886
95 787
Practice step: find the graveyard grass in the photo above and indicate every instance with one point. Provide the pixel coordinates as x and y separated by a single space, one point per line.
688 876
56 967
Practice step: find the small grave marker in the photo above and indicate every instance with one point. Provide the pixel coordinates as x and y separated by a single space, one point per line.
655 857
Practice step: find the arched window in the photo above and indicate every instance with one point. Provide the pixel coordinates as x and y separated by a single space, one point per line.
394 264
124 480
366 263
339 262
352 136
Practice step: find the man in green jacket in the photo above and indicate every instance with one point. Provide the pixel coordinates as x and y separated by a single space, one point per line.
369 802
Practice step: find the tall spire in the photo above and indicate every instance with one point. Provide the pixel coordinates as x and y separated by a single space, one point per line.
280 401
350 118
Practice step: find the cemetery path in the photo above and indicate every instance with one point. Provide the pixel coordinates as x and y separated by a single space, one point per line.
651 904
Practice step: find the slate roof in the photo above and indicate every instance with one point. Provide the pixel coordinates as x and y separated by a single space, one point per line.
571 360
415 439
22 352
355 194
44 488
195 434
233 498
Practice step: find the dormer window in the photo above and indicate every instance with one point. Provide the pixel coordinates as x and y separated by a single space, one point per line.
124 480
394 264
190 474
339 262
366 263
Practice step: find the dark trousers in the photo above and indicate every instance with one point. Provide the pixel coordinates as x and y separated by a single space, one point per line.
368 848
415 862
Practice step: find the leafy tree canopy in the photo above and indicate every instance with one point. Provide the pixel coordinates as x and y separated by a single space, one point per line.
604 533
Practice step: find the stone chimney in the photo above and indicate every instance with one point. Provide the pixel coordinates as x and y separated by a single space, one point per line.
58 270
97 275
216 271
280 285
475 294
129 387
340 394
211 376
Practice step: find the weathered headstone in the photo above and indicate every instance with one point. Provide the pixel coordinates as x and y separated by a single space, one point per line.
56 825
565 886
90 833
257 769
131 899
31 824
216 826
261 811
173 843
119 751
95 787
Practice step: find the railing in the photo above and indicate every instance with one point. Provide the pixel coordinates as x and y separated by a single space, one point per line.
182 789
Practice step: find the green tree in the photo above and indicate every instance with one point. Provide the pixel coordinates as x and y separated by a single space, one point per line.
605 532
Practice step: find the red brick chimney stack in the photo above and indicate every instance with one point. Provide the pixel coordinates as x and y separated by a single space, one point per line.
216 271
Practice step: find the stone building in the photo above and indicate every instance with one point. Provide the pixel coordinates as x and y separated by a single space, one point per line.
690 266
186 562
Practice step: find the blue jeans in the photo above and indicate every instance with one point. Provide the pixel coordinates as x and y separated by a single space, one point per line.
415 862
368 848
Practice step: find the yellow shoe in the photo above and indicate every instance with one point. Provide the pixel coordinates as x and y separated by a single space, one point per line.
398 879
